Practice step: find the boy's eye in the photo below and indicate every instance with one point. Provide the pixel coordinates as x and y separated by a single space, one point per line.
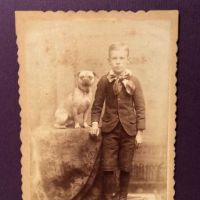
120 58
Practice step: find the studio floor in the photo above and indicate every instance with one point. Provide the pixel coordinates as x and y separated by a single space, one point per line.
145 196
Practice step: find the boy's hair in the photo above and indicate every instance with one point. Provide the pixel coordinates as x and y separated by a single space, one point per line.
118 45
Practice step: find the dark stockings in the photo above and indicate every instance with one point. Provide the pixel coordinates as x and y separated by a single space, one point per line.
124 182
109 183
110 186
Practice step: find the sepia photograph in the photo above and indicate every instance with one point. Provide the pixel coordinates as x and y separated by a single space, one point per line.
98 104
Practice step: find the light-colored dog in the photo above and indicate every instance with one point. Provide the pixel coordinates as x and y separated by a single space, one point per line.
77 102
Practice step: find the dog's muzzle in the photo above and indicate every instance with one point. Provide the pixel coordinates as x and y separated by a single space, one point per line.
86 83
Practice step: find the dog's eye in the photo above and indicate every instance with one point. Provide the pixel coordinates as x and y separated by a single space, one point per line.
90 77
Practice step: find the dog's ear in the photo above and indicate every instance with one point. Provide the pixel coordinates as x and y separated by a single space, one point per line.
95 74
77 74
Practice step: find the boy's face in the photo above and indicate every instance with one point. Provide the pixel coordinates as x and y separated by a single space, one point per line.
118 60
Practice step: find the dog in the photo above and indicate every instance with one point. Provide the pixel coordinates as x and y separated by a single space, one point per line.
78 102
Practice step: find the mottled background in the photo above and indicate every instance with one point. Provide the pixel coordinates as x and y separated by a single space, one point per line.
61 48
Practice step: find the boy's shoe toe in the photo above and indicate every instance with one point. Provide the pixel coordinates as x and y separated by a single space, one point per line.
108 197
123 197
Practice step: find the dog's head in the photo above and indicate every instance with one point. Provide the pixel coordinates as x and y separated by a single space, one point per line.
85 78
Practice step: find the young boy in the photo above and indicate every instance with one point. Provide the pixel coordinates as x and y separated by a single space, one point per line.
123 120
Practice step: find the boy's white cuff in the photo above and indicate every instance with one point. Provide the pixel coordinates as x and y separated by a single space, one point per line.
95 124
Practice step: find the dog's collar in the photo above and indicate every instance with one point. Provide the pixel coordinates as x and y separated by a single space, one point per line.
84 89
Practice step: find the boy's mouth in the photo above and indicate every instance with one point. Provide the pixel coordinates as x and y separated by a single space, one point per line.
118 68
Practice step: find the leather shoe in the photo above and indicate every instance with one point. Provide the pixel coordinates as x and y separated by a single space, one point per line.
123 197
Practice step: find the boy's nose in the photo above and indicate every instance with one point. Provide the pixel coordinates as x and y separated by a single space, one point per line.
118 62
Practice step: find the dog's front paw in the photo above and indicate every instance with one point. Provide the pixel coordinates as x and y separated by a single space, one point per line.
85 125
77 125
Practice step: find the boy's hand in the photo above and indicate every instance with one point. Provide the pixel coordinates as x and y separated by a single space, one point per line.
139 137
94 130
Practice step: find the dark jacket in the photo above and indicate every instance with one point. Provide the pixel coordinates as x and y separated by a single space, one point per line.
126 108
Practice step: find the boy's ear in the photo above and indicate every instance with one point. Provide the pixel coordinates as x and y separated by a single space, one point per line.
108 59
95 74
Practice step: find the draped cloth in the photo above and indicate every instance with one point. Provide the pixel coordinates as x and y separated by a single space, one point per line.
65 165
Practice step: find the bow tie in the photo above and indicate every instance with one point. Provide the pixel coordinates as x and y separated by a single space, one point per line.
121 80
